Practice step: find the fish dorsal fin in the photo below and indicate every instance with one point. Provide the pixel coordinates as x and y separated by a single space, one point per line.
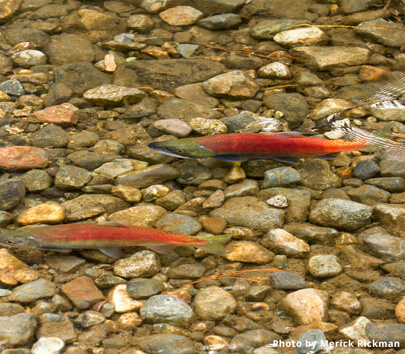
286 134
160 248
111 252
115 223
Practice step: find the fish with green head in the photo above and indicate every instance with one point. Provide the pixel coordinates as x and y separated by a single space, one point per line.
108 238
237 147
186 148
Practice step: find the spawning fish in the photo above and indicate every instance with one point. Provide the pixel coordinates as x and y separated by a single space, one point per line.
107 238
285 147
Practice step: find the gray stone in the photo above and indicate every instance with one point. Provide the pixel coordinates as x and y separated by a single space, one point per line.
383 245
69 48
11 193
293 105
178 223
80 77
301 37
48 345
166 309
90 318
311 233
325 58
217 6
281 241
141 215
89 205
389 36
12 87
167 74
392 168
246 187
231 85
244 342
369 195
148 176
250 212
221 21
187 50
144 108
113 95
167 343
187 271
71 177
193 173
37 180
53 325
50 136
316 174
366 169
28 58
64 263
286 281
33 291
387 287
311 341
141 264
386 333
176 107
90 160
120 166
174 127
341 213
298 202
281 177
214 303
142 288
17 330
269 28
391 217
324 266
390 184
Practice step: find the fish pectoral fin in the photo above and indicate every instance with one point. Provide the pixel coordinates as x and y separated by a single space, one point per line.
331 156
292 160
112 252
160 248
115 223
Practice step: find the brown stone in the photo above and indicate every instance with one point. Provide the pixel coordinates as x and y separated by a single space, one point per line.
13 158
213 224
82 292
65 115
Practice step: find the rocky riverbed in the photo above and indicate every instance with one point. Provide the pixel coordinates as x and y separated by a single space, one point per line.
85 86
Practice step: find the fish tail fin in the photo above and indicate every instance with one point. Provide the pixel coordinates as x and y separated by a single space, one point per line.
390 149
215 244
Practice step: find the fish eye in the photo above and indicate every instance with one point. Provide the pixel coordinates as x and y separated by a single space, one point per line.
180 150
10 242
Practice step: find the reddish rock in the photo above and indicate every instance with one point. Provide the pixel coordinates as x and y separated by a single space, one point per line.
65 115
82 292
22 158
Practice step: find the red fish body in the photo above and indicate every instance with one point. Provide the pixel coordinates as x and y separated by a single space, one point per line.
280 144
240 147
105 237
